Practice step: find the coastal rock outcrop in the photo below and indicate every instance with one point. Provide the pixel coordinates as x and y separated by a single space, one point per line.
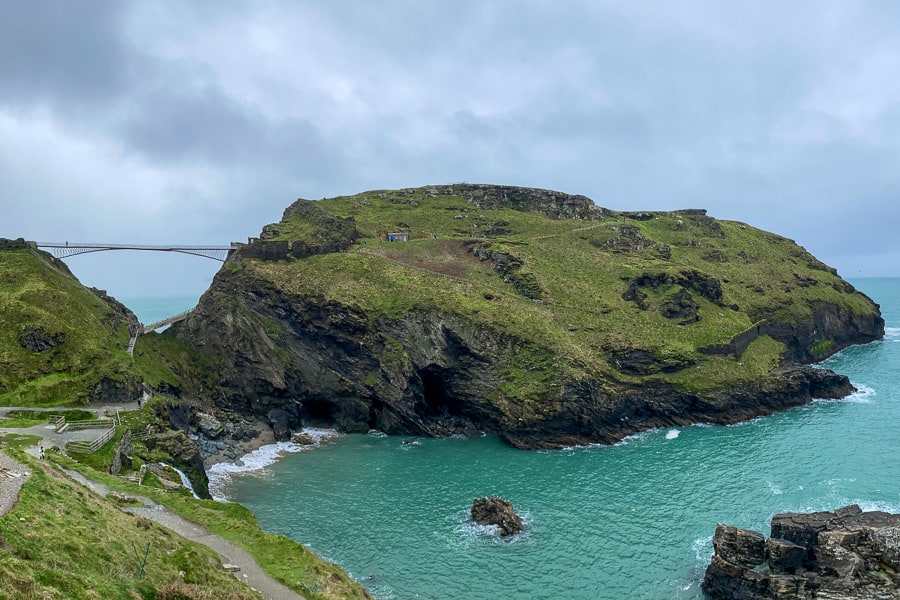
498 512
848 554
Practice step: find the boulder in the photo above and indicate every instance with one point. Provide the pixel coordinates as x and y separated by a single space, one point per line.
210 426
848 554
303 439
499 512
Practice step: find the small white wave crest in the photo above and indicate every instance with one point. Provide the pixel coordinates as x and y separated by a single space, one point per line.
672 434
221 474
863 395
467 532
703 548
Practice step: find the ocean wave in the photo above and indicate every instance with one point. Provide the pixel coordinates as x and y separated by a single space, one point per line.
672 434
863 395
221 474
703 548
892 333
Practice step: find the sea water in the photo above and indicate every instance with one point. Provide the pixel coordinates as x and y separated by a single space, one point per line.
151 310
634 520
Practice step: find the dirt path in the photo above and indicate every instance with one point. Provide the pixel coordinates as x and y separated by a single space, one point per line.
12 475
250 572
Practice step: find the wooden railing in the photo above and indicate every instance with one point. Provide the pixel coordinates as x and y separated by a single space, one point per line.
94 445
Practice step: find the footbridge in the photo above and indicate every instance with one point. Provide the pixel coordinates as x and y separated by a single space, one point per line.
141 329
69 249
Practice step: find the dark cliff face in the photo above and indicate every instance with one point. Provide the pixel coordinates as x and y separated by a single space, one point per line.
529 313
295 361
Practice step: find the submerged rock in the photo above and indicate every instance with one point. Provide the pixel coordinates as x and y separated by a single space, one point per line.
496 511
847 554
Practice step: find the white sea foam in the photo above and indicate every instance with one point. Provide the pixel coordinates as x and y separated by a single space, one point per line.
672 434
467 532
702 548
863 395
868 505
775 489
377 434
220 474
892 333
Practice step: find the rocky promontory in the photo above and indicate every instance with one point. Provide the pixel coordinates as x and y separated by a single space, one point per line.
532 314
847 554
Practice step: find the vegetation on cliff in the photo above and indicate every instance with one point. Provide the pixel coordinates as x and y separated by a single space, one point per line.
512 305
64 343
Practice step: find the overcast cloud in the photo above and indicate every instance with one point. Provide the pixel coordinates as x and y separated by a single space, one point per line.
174 123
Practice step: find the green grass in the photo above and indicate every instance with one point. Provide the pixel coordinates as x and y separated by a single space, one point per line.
583 275
63 542
37 291
30 418
287 561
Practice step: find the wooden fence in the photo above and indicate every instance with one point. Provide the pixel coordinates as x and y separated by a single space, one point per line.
92 446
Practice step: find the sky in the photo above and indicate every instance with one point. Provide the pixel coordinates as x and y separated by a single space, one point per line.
199 122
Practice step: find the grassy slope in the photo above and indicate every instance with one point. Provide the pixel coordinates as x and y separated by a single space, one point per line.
583 281
34 291
284 559
69 522
61 541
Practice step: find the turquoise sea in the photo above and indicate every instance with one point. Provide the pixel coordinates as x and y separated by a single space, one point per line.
151 310
634 520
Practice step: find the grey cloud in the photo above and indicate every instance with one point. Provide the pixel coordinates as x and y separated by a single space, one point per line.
61 52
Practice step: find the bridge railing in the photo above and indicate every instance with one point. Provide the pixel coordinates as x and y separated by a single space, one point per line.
167 321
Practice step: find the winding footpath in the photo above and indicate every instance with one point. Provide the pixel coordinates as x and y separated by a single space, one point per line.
250 572
13 475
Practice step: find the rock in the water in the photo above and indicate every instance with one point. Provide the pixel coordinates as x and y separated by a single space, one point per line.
848 554
496 511
303 439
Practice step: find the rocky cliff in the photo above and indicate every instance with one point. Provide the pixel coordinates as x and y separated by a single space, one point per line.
848 554
532 314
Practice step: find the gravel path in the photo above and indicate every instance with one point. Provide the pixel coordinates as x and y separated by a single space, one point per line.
250 572
12 475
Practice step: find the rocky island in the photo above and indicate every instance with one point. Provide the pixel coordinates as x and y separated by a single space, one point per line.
532 314
848 554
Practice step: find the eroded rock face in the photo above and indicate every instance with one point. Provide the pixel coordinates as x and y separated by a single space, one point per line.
37 339
847 554
499 512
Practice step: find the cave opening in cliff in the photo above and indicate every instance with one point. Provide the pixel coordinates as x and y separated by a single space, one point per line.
318 411
436 399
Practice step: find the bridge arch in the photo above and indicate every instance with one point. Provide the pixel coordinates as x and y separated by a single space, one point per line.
63 250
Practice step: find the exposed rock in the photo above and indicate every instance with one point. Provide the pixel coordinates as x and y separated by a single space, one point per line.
282 422
122 457
496 511
16 244
848 554
681 306
303 439
36 339
210 426
126 389
185 454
